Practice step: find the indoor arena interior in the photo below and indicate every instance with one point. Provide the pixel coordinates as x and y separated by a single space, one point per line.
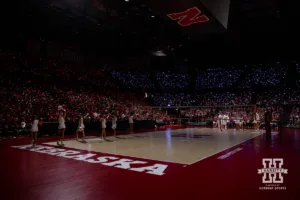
150 100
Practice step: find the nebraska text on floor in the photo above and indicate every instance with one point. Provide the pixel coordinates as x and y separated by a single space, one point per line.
156 169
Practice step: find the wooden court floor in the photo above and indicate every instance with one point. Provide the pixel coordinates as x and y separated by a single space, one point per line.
185 163
182 146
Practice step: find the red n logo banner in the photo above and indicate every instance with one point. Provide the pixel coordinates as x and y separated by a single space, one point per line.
189 17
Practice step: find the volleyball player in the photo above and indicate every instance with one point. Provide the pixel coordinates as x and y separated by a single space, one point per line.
237 123
34 130
219 121
226 120
61 127
130 120
80 128
257 120
244 121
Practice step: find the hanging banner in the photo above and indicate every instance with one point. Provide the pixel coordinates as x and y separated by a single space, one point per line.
195 17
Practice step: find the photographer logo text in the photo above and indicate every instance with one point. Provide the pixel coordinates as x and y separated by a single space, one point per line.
272 172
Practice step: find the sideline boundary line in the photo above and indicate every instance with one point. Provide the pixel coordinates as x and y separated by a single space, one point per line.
226 149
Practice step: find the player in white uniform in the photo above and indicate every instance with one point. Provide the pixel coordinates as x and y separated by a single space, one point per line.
244 121
131 126
80 128
114 125
61 127
226 120
219 121
103 126
257 120
238 122
34 130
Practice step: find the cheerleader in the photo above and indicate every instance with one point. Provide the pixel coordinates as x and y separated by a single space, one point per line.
61 127
34 130
80 128
114 125
103 126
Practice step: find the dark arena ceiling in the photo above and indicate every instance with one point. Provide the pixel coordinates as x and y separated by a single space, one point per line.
183 28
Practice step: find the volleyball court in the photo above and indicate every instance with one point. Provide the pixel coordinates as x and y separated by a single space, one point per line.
183 135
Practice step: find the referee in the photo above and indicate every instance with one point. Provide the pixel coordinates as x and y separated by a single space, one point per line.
268 119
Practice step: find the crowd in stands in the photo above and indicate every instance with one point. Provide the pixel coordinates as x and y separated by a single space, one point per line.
133 79
40 86
170 80
298 79
272 97
211 78
177 99
204 99
218 78
264 76
275 97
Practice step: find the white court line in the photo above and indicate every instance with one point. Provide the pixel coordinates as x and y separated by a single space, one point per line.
225 149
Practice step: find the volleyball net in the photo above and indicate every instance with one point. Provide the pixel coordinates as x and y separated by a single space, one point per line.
201 115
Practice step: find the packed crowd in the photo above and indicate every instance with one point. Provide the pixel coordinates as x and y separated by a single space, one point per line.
271 97
204 99
298 79
178 99
264 76
211 78
275 97
29 91
169 80
218 78
134 79
40 86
